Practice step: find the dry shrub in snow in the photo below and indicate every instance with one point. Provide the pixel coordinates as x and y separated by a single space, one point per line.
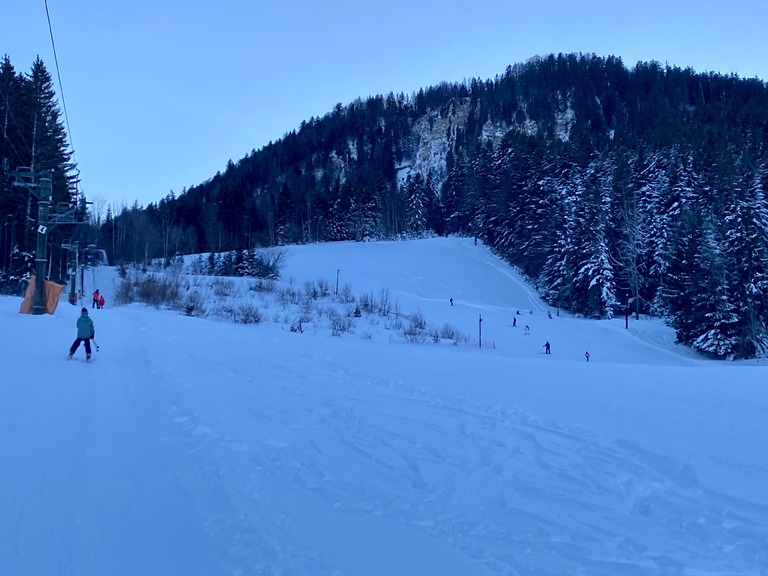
339 322
194 304
323 287
345 294
222 288
267 286
247 313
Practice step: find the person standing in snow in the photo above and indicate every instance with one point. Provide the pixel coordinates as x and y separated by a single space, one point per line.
101 301
586 355
85 331
95 299
546 347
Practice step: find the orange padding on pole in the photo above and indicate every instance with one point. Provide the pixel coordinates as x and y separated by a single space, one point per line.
51 297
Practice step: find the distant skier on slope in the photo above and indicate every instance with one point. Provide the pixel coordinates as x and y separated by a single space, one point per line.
546 347
101 301
85 331
95 299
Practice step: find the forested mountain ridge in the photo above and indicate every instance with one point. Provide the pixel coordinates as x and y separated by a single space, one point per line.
610 187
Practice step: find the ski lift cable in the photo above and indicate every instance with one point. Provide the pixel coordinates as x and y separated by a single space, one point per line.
61 87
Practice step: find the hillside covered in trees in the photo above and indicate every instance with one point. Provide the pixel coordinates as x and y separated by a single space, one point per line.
613 189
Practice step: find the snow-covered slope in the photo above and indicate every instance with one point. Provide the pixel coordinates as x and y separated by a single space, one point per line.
195 446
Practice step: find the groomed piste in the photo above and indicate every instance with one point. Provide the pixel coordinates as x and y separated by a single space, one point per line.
199 446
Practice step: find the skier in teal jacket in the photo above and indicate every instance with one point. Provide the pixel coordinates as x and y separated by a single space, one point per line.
85 331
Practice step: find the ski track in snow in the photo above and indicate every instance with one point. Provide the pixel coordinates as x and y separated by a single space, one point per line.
475 477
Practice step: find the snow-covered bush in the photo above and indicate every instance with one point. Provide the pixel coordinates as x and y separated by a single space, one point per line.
247 313
158 291
193 304
222 288
385 302
323 287
288 296
262 285
367 302
339 322
345 294
415 332
125 293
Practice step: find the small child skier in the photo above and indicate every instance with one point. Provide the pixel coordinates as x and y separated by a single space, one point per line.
85 331
101 301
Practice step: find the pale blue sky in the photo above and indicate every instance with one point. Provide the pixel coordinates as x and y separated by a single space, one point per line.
161 94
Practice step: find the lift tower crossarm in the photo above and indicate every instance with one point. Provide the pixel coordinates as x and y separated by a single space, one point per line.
40 185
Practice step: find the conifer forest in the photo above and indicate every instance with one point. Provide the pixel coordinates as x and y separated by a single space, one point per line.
616 190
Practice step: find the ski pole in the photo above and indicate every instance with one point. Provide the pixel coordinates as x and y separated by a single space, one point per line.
94 343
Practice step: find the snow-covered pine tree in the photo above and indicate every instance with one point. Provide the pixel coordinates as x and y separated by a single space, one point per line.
564 259
746 249
415 204
595 276
695 291
240 263
666 205
340 214
521 214
652 184
364 212
626 245
479 188
453 192
716 318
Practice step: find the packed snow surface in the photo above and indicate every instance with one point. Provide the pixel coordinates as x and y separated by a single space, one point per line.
196 446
